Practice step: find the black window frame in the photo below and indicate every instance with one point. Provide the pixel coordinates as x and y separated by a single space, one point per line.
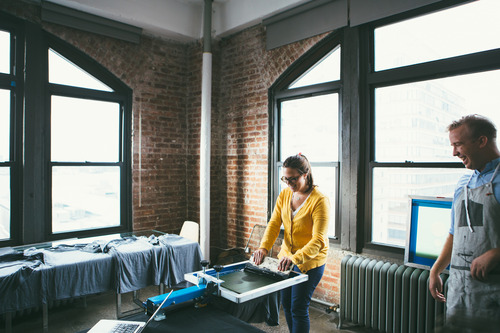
458 65
118 95
13 82
279 92
31 217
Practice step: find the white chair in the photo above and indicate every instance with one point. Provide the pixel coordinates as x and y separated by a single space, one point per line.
190 230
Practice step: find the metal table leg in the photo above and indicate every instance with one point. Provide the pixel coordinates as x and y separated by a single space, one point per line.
45 317
136 300
8 322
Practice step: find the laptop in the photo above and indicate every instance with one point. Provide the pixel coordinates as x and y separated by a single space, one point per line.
123 326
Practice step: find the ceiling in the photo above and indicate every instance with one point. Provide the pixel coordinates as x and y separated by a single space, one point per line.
183 19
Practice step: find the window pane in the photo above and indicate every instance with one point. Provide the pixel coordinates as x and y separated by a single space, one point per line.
310 126
5 52
84 130
63 71
325 70
85 198
391 188
4 203
4 125
456 31
325 178
411 119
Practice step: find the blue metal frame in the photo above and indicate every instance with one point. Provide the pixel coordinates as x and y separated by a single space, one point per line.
411 256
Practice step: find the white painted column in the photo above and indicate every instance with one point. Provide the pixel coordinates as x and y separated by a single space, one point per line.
205 142
206 100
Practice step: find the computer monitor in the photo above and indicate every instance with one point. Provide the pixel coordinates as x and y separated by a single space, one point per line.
429 225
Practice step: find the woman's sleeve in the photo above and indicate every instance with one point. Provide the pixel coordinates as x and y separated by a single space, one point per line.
274 225
320 217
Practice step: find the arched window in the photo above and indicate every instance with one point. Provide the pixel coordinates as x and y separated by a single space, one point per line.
76 149
305 115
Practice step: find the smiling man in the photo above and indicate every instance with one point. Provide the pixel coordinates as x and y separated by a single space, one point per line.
473 245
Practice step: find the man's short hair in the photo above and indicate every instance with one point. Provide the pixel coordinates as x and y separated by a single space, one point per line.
478 126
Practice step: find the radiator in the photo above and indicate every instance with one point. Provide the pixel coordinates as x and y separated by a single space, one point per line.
387 297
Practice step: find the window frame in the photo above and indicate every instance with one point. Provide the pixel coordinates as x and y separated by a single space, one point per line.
122 95
31 216
442 68
278 93
13 82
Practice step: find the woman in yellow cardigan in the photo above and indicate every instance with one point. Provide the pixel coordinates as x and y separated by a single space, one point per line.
304 213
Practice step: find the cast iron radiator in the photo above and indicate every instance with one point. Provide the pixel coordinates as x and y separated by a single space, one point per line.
387 297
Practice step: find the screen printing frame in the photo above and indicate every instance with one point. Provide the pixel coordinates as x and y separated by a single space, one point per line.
412 258
295 278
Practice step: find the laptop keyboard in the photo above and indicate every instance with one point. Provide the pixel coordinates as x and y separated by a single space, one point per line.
124 328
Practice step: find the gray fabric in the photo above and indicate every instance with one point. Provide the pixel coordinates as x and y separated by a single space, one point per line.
127 266
19 290
74 274
262 309
183 256
132 266
16 269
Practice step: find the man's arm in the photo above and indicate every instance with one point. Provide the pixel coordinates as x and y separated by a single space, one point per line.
484 264
444 259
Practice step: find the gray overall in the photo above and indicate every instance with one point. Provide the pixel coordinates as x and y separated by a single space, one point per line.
477 230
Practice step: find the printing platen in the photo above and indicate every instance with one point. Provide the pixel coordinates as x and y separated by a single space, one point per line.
265 288
243 281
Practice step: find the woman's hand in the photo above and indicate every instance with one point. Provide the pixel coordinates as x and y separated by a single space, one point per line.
259 255
284 264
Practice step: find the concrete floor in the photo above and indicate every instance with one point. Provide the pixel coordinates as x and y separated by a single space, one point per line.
76 316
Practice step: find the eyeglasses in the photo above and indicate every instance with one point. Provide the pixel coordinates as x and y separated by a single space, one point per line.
289 180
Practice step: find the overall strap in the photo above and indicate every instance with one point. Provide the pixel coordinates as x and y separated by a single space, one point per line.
466 204
494 173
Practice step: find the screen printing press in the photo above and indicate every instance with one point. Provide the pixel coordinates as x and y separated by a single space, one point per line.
210 303
237 283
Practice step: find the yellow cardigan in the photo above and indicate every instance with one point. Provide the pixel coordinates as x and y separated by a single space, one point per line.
306 237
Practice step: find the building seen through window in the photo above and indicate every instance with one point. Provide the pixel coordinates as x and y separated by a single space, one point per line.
411 119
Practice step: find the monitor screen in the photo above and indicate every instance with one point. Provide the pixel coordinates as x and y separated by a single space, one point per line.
429 225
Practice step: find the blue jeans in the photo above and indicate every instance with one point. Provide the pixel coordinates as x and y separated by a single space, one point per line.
296 300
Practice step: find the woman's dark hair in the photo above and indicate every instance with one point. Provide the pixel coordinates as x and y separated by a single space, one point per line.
300 163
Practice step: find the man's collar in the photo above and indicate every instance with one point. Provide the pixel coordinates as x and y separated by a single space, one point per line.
490 166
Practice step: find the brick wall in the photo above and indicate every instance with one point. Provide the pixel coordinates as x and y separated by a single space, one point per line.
166 80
